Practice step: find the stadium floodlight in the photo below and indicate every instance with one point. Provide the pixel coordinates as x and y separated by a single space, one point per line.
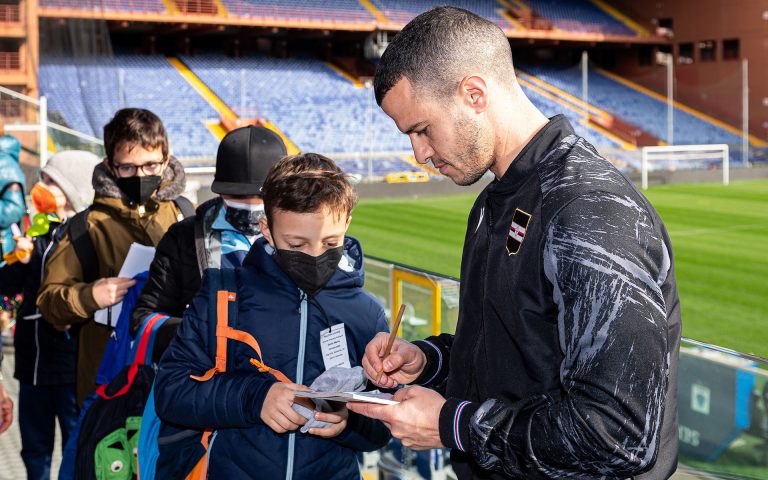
682 157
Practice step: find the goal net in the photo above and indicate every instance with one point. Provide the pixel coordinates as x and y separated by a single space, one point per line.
684 157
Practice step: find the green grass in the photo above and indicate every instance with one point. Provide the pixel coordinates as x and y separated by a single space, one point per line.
719 236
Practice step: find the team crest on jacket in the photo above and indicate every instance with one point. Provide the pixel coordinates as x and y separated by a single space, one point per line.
517 231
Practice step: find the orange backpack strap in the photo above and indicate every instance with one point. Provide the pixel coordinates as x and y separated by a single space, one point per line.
224 332
223 298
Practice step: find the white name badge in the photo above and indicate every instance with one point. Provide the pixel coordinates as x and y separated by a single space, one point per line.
333 344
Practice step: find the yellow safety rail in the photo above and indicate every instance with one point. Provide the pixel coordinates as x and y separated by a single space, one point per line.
631 24
375 11
399 276
344 74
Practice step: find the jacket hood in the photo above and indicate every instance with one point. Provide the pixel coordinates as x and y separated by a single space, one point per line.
10 147
172 186
348 274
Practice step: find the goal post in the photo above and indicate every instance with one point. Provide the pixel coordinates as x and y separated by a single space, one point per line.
684 156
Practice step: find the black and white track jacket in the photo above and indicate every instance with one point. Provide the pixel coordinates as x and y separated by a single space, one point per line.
564 361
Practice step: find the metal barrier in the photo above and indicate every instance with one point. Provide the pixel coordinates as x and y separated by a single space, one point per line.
722 394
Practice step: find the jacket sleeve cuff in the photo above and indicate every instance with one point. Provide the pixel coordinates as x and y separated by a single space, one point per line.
257 395
87 302
454 423
434 371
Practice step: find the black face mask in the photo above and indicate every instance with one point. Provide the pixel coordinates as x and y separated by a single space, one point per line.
139 189
245 221
309 273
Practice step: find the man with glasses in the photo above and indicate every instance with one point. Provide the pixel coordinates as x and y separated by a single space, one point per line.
136 187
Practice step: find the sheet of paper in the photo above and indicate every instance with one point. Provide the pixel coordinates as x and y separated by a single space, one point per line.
368 397
138 260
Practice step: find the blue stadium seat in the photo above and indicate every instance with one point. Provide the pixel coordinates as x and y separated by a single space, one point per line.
637 108
86 94
403 11
579 16
317 108
327 10
126 5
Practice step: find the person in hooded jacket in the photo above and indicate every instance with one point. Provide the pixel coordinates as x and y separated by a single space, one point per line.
135 188
45 355
219 235
302 278
12 180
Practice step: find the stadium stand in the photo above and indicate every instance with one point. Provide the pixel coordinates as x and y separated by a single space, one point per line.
579 16
85 92
402 11
149 6
633 106
317 108
329 10
551 108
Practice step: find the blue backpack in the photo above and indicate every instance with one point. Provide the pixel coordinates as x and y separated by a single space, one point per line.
105 441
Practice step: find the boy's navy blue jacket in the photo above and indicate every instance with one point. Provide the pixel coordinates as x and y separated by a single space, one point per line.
273 309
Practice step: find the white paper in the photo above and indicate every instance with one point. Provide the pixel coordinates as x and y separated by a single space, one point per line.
367 397
333 345
138 260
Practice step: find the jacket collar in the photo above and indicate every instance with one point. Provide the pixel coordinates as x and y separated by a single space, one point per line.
173 183
349 273
532 153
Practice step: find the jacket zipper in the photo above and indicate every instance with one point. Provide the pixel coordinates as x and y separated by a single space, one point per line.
299 378
489 232
37 310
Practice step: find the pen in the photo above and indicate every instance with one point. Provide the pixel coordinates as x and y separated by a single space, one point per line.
391 340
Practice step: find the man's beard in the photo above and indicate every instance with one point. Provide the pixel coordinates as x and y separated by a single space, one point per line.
476 155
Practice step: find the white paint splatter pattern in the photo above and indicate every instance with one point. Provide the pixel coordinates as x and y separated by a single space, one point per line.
605 257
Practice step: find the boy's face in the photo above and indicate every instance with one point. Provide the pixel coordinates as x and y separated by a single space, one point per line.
310 233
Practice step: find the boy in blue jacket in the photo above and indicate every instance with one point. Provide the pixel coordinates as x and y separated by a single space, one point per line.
299 285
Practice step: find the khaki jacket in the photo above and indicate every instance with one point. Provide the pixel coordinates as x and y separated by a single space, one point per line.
113 224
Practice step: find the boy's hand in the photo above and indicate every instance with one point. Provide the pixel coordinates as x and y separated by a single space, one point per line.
24 247
337 419
110 291
276 411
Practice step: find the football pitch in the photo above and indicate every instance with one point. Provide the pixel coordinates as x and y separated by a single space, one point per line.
719 238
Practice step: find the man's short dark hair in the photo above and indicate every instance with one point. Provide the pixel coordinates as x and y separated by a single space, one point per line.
307 183
135 127
435 50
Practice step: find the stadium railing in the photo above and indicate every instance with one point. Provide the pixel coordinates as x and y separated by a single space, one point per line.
10 13
305 13
10 61
722 394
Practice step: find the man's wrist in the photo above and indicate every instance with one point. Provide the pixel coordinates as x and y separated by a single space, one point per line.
454 423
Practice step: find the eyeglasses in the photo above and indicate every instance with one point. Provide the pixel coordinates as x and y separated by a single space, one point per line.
149 168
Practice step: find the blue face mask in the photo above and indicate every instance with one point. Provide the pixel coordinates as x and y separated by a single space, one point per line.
307 272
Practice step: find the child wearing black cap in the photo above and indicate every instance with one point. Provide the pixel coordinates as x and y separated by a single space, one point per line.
220 233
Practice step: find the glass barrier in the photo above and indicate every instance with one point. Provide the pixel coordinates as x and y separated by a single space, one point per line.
722 394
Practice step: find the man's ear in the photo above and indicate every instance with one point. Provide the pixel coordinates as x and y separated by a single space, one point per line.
474 92
264 227
346 227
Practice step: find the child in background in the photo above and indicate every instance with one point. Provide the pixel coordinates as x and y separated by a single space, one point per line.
45 355
305 277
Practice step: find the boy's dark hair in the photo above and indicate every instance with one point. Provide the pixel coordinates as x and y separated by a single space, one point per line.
435 50
135 126
307 183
